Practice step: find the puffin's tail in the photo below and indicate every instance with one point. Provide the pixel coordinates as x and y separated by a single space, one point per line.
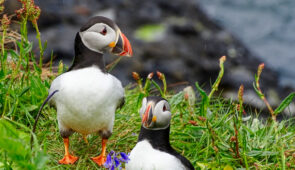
39 113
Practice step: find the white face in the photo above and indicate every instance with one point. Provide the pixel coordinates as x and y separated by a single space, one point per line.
161 114
98 37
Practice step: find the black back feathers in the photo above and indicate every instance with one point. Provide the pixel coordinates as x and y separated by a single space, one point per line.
159 139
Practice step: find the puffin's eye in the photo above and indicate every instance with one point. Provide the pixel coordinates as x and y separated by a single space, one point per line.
164 108
104 31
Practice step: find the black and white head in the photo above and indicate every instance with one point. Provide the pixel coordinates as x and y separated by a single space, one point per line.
101 34
155 113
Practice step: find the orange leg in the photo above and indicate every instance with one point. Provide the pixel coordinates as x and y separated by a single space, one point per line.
101 159
68 158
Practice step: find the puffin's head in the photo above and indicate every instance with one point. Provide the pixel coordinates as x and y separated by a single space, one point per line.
155 113
101 34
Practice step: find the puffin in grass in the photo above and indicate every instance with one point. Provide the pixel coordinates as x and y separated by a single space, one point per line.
153 149
86 96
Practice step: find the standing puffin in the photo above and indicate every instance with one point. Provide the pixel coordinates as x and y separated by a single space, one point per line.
86 97
153 149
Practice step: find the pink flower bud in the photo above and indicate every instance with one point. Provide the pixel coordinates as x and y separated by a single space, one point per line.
160 75
150 76
222 59
135 76
260 68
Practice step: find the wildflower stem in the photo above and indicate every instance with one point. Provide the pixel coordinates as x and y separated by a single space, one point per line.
113 64
138 80
38 36
237 142
261 95
164 86
161 76
220 75
5 22
283 158
3 60
2 42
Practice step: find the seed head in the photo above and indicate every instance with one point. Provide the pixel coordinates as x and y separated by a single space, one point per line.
233 139
241 93
29 10
5 22
203 119
192 122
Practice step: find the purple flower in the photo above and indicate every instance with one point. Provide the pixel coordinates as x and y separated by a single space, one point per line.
111 153
117 162
124 157
108 162
114 160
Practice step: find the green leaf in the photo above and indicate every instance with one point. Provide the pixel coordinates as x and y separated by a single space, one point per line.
176 99
2 75
201 91
284 103
205 100
139 99
257 91
197 128
15 143
147 86
202 165
158 87
13 54
28 48
45 45
261 153
24 91
31 108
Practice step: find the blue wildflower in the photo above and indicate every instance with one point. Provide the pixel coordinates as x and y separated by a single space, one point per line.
111 153
113 161
124 157
117 162
108 162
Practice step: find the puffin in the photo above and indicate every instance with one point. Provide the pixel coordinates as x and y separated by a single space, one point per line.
153 149
87 96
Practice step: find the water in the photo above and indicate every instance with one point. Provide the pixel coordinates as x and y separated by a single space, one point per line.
267 27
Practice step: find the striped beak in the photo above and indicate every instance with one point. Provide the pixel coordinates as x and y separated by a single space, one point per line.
148 115
123 46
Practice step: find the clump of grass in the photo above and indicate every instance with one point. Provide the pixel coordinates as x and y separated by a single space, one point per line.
21 92
210 131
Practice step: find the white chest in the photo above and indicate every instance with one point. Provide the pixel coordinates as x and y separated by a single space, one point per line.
144 157
87 99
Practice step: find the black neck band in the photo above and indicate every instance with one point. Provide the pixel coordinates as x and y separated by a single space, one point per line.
85 57
159 139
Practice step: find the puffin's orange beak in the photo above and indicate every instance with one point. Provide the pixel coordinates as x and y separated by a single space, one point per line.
147 115
123 47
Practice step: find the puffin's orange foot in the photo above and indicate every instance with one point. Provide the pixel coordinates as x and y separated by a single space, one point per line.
68 159
99 160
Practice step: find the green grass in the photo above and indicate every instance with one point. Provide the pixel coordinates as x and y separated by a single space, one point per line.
205 130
